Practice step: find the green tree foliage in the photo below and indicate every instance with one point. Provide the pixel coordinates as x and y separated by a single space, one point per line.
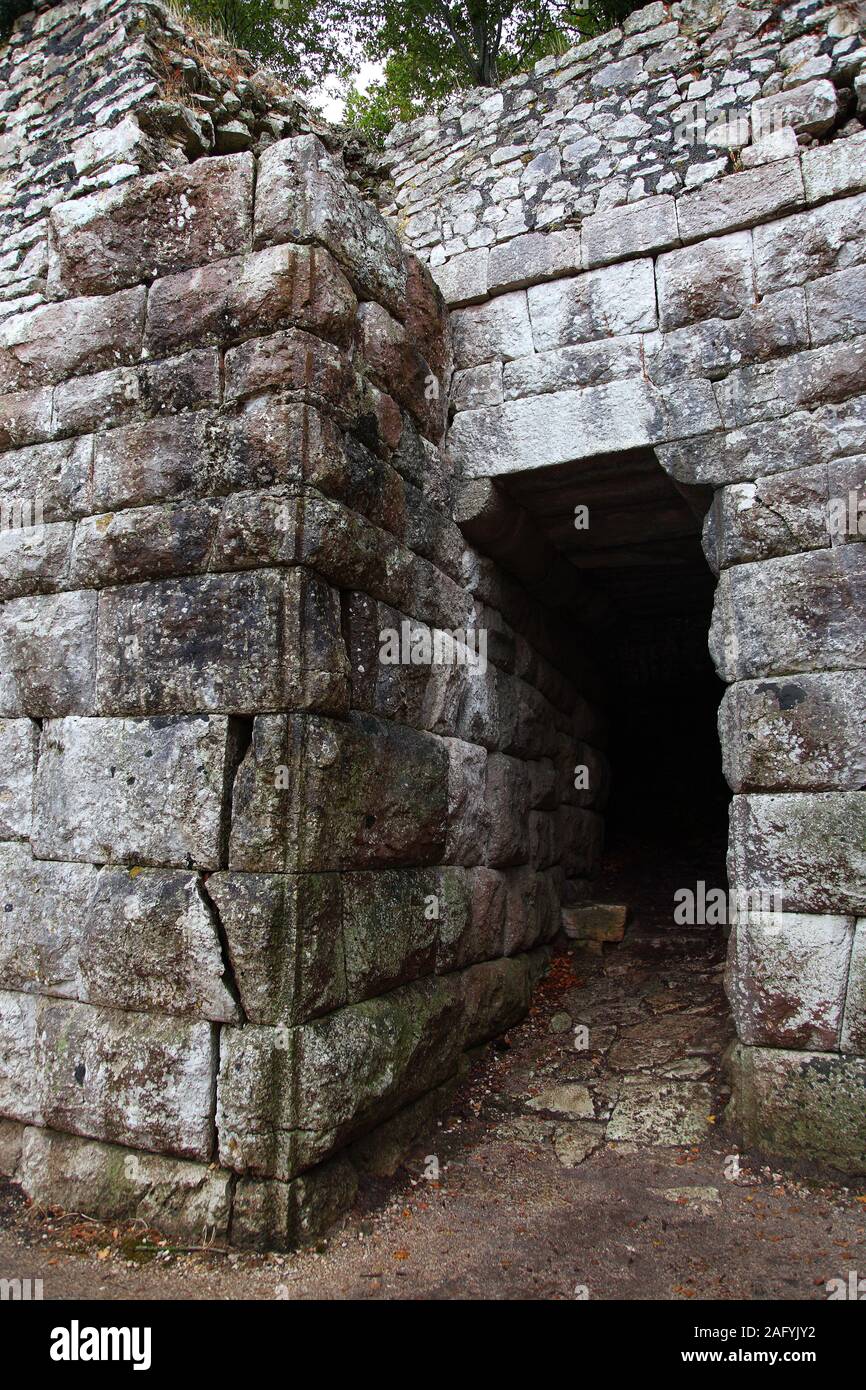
430 48
305 41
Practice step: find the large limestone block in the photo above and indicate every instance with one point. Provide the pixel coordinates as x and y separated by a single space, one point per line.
143 543
566 425
149 226
497 331
714 279
810 108
57 341
741 200
801 852
320 794
796 613
606 303
774 516
795 441
285 942
797 249
840 167
35 559
109 1181
362 1063
233 643
150 944
787 978
57 476
507 799
47 907
525 260
631 230
128 1078
256 1106
853 1038
303 196
468 809
713 347
19 741
279 287
798 732
25 417
20 1097
584 364
134 791
802 1105
495 996
837 305
48 655
390 928
273 1215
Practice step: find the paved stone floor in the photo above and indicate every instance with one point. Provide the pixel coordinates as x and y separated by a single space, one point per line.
564 1170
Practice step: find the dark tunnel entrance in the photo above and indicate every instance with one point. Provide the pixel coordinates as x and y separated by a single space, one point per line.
638 547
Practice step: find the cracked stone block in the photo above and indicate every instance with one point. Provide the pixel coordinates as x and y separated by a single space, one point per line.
48 655
561 369
807 850
231 643
149 226
787 978
280 287
741 200
661 1112
302 196
25 418
785 513
837 168
802 1104
795 613
497 331
98 781
320 794
150 943
395 363
711 280
609 302
19 742
803 732
109 1181
35 559
57 341
853 1036
837 305
797 249
285 942
539 431
136 1079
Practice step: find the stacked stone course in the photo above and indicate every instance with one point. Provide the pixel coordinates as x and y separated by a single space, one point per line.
262 890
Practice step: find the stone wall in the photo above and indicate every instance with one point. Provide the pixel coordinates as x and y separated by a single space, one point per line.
619 285
263 887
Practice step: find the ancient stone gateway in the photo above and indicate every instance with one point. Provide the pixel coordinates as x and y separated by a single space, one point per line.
318 585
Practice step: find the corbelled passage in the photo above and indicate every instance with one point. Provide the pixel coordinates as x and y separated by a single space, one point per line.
301 716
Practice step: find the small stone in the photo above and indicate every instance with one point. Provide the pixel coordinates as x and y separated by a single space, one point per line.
560 1023
595 922
574 1143
571 1100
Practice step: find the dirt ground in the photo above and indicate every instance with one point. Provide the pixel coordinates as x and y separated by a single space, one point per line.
572 1165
